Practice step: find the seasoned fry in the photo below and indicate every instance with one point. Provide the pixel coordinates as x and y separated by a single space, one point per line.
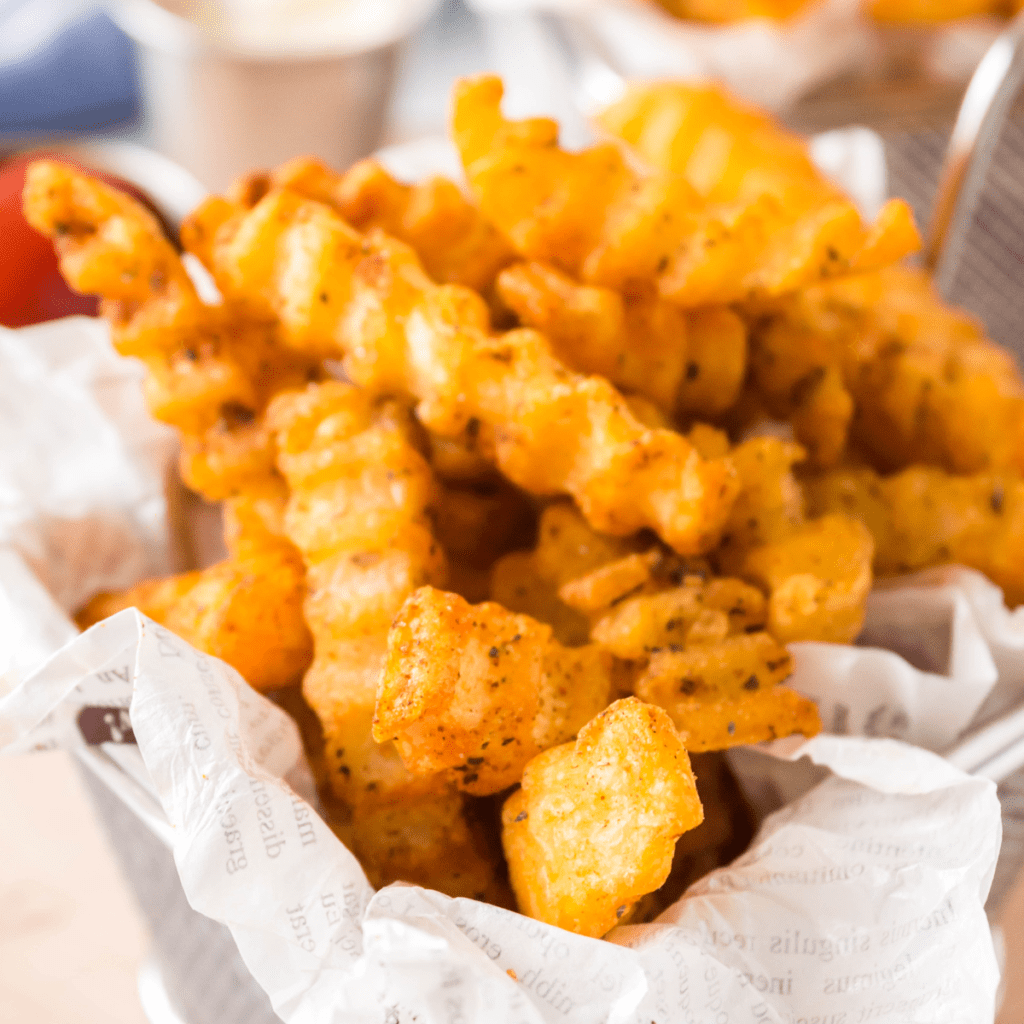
716 362
246 610
728 151
882 358
594 826
210 370
686 362
696 646
455 244
433 842
923 517
770 505
338 292
593 216
728 693
818 579
359 513
699 611
567 548
475 691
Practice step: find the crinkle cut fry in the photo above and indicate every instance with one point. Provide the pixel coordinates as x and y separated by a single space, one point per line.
359 512
658 614
455 243
552 431
209 371
689 363
697 646
923 517
881 358
728 693
595 824
596 217
567 547
245 610
475 691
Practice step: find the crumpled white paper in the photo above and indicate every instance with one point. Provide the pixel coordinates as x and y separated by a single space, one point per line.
865 897
933 647
82 468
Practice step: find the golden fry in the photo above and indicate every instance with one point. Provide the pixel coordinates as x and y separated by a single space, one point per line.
366 297
567 548
882 358
210 370
594 826
455 244
596 218
770 505
728 693
475 691
697 611
818 579
246 610
358 512
923 517
686 362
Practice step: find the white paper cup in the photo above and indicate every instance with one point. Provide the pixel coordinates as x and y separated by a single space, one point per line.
219 108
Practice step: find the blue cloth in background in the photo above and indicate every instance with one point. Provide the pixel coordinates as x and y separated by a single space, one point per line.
82 80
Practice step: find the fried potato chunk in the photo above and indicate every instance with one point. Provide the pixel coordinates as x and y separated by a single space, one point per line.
455 243
698 611
210 369
686 362
359 512
567 547
716 362
433 842
882 359
595 824
923 517
696 646
337 292
728 693
476 691
818 579
770 505
246 610
594 216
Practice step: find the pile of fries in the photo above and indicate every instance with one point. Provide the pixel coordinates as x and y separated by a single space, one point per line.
530 547
912 12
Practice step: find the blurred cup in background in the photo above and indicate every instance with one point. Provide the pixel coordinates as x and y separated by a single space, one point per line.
235 85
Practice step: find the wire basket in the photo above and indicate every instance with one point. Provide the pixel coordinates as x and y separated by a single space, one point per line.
977 249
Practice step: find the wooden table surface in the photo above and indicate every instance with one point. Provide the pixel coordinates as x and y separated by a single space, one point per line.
71 938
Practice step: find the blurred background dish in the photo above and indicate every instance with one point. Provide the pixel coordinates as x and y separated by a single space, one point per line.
252 84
